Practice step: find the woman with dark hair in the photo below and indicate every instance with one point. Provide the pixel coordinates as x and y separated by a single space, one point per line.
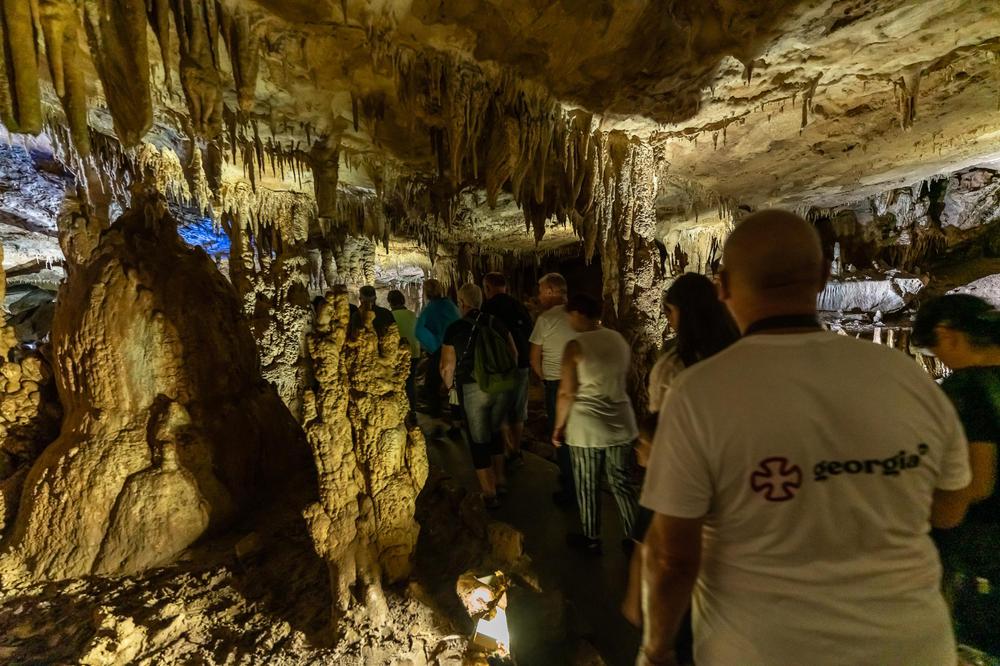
594 418
964 333
703 325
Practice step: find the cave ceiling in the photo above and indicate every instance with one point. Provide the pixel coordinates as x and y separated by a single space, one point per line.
783 102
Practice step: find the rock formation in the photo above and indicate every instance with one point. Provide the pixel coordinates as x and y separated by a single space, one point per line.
371 464
269 267
29 413
336 144
169 429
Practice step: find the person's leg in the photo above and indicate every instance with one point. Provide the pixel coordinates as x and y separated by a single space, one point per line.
477 406
518 412
432 384
551 397
616 464
499 408
586 470
566 474
411 385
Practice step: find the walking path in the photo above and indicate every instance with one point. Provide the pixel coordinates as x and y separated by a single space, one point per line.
593 587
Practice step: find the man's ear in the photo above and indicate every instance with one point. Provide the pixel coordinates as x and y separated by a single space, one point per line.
722 285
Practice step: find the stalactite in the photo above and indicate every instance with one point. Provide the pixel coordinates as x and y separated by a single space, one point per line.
158 14
59 26
905 91
242 43
21 68
116 31
324 158
807 99
198 32
286 214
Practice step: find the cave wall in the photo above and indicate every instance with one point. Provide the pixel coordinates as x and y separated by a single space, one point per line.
169 429
916 227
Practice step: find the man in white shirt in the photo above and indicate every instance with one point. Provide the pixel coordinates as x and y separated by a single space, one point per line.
795 477
548 340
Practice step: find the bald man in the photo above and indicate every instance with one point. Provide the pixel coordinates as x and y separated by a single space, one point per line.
794 478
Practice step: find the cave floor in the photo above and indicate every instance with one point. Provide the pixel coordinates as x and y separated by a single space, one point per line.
593 587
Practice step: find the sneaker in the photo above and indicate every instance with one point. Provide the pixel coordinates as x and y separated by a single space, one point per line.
515 460
584 543
492 503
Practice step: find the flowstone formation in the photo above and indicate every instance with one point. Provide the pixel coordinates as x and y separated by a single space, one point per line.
270 268
169 429
371 464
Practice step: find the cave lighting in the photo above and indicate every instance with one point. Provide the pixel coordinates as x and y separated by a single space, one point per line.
492 632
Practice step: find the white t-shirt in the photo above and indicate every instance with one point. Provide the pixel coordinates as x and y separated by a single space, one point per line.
552 331
602 414
813 459
666 368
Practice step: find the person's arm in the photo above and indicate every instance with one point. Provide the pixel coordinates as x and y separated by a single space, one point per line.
513 347
948 508
535 359
568 385
679 489
671 559
447 366
420 330
951 495
983 462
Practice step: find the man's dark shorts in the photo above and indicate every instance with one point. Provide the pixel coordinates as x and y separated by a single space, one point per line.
518 410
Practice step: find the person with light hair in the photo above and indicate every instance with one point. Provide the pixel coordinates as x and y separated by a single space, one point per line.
548 340
436 316
794 478
484 411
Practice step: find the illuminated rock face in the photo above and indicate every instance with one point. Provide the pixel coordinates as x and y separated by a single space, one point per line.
169 429
371 465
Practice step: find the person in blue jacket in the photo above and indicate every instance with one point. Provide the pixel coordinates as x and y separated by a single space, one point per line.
435 318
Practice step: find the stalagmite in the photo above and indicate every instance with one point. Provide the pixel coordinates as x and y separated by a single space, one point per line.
168 429
371 466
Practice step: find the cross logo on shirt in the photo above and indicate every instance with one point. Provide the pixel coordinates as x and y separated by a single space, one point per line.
776 479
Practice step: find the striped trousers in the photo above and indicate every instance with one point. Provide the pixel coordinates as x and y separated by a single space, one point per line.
587 475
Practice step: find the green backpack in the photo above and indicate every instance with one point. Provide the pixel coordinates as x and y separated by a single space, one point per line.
494 367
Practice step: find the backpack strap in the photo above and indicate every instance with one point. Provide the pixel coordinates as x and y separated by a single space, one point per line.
472 334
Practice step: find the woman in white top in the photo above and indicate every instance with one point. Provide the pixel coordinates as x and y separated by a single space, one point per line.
594 418
703 328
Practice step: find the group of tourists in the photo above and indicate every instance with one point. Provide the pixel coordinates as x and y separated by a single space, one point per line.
793 475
